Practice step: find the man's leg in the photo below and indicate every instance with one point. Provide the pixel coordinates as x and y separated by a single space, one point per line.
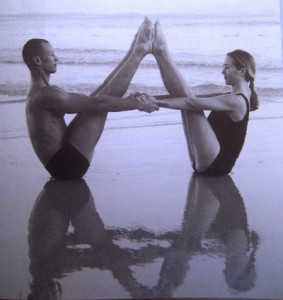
117 68
86 128
203 145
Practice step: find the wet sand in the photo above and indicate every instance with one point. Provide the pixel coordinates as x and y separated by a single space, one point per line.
141 193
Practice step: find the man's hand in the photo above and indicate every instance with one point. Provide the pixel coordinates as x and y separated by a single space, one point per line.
146 103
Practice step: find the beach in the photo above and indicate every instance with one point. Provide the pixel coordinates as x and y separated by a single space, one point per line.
139 180
141 224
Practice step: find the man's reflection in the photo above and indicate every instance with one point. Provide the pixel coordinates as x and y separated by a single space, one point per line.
67 234
57 205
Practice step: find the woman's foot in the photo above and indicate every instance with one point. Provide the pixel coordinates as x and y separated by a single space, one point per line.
160 44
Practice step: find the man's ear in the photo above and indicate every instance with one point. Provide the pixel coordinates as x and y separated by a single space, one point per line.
36 60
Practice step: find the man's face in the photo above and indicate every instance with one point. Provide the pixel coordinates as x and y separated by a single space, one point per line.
48 59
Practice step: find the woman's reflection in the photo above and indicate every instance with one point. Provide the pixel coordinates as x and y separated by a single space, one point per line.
215 223
230 229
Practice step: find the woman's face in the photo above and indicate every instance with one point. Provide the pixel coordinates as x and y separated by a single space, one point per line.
232 75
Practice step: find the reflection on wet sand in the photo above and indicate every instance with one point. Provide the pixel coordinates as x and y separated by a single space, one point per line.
214 223
66 235
56 250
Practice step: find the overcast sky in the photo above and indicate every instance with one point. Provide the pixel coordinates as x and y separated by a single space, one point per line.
138 6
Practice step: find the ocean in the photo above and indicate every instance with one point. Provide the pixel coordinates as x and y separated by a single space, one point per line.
90 46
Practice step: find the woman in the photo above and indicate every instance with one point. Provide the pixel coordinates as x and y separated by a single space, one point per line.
214 143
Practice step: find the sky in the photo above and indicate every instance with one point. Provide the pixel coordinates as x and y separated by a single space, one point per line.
138 6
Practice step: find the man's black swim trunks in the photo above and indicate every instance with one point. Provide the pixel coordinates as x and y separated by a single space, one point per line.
67 164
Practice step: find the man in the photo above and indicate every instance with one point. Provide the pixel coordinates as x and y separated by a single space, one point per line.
66 151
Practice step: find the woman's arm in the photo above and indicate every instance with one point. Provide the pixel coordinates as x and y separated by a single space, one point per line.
217 102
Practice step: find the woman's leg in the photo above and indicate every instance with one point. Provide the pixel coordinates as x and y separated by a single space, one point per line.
203 145
86 128
201 208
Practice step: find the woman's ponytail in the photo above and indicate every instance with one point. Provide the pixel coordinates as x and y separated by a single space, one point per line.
243 59
254 101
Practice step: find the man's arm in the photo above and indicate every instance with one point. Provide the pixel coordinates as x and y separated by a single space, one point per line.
57 99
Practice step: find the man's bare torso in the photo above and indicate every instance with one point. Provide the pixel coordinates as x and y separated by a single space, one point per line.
46 127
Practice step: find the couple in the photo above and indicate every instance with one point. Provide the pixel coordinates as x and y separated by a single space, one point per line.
214 143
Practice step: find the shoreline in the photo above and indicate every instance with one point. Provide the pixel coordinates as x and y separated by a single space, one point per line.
160 132
266 94
168 119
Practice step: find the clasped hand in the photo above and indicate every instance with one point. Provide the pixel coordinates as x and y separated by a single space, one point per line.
146 102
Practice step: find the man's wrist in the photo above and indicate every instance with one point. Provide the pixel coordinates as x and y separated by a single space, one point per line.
140 105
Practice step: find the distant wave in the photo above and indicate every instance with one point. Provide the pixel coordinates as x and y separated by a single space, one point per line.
111 57
203 16
268 94
22 100
112 62
77 15
12 96
230 22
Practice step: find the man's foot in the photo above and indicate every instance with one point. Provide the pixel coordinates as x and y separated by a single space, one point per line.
144 38
159 45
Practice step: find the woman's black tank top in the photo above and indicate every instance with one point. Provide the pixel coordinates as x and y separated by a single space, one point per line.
231 135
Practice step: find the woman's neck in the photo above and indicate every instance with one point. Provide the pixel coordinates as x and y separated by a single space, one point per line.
242 87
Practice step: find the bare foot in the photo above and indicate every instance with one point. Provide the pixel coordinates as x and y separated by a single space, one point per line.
160 43
144 37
